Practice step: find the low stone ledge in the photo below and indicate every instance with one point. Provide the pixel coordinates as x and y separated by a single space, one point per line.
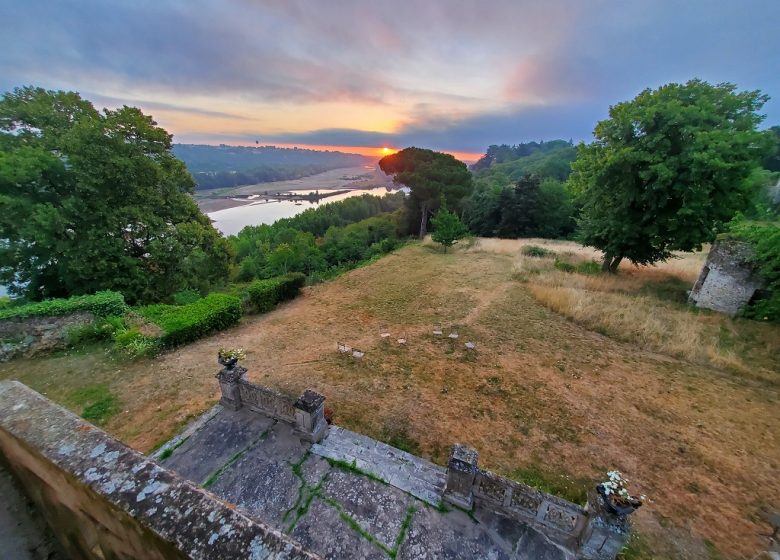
103 499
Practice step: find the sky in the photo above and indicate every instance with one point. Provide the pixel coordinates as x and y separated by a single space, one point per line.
359 76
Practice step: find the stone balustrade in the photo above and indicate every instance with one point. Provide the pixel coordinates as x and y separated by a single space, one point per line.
306 414
593 532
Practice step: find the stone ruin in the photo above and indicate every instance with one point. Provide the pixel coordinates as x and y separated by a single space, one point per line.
729 280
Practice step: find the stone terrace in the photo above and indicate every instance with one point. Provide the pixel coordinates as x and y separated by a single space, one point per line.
345 497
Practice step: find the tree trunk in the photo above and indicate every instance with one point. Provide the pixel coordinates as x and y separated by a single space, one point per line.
424 222
611 263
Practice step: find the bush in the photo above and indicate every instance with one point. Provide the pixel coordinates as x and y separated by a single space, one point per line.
186 296
265 294
101 304
185 323
132 343
765 238
564 266
97 331
589 267
536 251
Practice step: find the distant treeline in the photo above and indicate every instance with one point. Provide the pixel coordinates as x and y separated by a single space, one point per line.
520 191
320 240
231 166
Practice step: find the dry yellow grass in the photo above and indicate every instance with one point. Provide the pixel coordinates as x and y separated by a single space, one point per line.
544 391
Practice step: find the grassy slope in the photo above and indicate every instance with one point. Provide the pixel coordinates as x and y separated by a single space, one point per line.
543 396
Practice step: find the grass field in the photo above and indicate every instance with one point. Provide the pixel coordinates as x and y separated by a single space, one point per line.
573 375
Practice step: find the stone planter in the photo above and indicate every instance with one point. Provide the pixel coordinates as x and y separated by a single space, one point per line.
617 508
229 363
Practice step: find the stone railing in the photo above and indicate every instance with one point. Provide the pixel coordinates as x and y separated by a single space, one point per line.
592 531
306 414
105 500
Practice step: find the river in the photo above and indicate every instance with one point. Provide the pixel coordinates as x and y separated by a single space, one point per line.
232 220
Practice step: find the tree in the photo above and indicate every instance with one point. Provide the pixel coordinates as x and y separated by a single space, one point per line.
448 228
667 170
95 200
430 176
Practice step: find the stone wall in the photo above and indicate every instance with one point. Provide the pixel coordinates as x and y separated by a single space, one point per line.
30 335
104 500
728 279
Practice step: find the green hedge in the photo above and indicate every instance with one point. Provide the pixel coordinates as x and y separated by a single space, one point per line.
101 304
184 323
265 294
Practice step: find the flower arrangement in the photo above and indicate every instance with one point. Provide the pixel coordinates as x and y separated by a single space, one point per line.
616 494
230 356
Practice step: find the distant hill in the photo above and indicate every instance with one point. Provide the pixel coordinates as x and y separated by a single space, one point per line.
547 159
224 166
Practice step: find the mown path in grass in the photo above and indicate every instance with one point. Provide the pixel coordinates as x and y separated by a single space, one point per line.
543 398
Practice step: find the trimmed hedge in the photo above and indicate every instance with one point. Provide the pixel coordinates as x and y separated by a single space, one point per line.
265 294
100 304
184 323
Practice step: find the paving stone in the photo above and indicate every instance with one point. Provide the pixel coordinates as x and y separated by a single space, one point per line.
378 508
450 536
215 443
313 469
323 531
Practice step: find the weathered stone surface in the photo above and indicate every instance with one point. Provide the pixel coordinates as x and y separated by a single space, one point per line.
323 531
261 481
451 536
104 500
528 543
313 469
377 508
211 447
728 279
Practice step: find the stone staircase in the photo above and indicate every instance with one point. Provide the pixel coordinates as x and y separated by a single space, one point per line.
420 478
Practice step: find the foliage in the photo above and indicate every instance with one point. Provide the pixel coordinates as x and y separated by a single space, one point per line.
546 159
97 331
447 228
291 245
101 304
231 353
132 343
536 251
772 161
186 296
765 238
531 208
431 177
94 201
265 294
563 266
185 323
667 170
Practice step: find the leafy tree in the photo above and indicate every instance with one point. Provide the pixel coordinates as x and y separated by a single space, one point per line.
667 170
448 228
772 162
430 176
95 201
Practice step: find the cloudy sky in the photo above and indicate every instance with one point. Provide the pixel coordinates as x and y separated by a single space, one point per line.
452 75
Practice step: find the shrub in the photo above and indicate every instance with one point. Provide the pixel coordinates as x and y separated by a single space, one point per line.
265 294
97 331
536 251
186 296
101 304
132 343
589 267
564 266
185 323
765 238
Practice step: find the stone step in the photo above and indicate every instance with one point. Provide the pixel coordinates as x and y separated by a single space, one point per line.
414 475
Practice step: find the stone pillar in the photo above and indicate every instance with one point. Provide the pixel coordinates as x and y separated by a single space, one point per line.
310 424
461 472
605 533
228 384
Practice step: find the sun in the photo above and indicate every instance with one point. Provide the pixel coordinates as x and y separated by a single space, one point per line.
385 150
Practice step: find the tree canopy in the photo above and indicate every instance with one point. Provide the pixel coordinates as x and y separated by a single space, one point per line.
667 170
95 201
430 176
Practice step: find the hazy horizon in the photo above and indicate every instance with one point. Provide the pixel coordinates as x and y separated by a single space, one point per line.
359 76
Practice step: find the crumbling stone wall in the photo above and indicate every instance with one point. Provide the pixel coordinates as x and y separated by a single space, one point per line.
104 500
728 279
30 335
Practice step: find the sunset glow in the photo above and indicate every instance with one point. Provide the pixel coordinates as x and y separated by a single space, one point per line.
395 75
